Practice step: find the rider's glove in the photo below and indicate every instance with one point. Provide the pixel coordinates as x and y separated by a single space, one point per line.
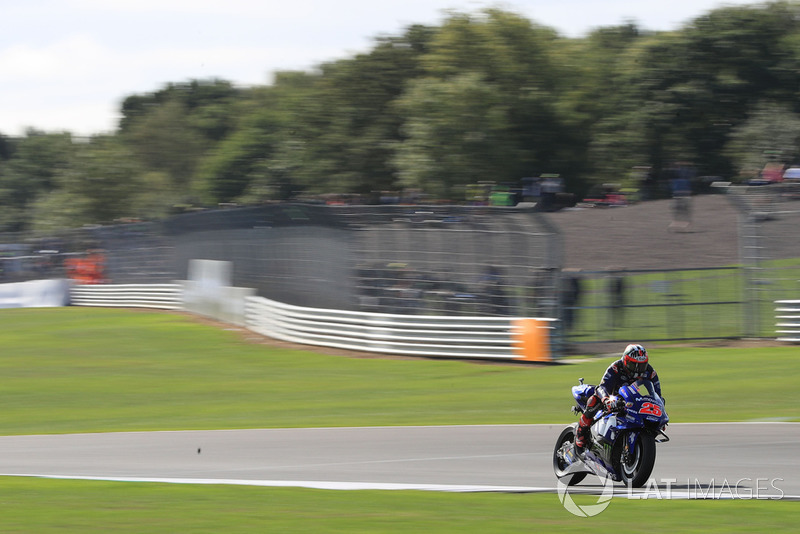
612 403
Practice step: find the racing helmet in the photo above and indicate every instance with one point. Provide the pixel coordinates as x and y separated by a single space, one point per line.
634 359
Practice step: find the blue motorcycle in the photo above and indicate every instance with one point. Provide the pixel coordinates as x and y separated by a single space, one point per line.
622 444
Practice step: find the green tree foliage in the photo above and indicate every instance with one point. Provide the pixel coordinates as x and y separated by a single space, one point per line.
770 133
207 102
488 95
457 132
515 58
346 129
101 183
591 85
37 160
331 131
173 130
165 141
6 147
257 161
683 93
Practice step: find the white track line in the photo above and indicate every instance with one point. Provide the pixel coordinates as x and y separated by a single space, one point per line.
313 484
388 486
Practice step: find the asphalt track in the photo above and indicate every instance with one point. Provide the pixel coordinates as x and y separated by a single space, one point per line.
715 460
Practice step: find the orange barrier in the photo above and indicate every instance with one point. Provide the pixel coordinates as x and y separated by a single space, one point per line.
531 340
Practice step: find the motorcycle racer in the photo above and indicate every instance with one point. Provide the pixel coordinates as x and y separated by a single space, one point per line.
633 365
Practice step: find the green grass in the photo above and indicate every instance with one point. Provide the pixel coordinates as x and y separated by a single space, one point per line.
95 370
31 505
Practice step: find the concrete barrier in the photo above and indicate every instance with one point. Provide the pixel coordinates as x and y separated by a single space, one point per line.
35 294
208 292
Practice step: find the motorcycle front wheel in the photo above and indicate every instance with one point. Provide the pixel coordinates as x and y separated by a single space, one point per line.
636 465
564 442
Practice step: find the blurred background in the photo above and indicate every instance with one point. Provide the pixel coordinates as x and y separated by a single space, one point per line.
634 184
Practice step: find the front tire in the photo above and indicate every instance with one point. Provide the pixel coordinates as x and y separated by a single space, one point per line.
565 441
635 466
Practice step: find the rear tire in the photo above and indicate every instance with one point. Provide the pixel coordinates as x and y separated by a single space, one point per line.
566 438
635 467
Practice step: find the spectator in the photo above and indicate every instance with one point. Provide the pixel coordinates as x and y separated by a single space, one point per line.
616 292
570 299
681 194
552 185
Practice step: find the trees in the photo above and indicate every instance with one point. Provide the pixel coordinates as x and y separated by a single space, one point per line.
770 133
348 125
685 93
171 132
485 108
331 131
252 163
31 171
457 132
591 102
101 183
483 96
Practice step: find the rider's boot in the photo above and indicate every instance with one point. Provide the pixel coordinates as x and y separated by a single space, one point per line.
582 433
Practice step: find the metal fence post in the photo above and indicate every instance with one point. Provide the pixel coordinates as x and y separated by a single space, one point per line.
751 256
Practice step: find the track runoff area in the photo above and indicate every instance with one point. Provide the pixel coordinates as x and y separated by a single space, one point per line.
701 461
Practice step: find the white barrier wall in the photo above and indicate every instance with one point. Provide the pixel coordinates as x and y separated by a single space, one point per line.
35 294
415 335
787 315
161 296
207 293
505 338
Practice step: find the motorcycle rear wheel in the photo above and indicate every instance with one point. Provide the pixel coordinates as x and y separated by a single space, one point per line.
636 466
566 438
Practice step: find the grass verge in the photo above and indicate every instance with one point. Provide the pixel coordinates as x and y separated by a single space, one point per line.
94 370
31 505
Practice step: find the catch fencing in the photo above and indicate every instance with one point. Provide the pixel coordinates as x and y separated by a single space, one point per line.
653 305
431 260
695 304
453 261
770 250
421 260
132 253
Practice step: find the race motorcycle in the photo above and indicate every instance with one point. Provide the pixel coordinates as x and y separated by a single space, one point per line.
622 443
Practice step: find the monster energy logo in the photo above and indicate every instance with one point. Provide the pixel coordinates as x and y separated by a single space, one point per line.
604 448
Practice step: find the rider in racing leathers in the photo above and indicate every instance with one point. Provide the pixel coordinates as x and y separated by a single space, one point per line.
632 366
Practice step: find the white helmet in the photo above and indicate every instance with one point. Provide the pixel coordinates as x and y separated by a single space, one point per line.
635 360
